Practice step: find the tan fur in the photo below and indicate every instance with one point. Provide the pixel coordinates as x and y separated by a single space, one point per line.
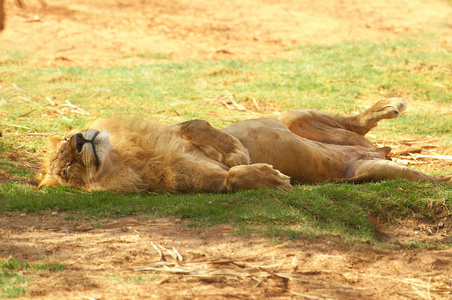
128 156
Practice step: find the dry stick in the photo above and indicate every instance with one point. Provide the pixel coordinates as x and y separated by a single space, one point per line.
80 110
30 134
158 250
268 250
280 275
25 99
231 260
212 261
412 142
18 126
276 199
440 157
255 103
66 49
26 114
50 101
173 255
164 280
413 282
308 296
179 257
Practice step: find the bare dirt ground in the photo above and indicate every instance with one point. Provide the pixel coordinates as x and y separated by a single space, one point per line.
100 32
101 259
217 263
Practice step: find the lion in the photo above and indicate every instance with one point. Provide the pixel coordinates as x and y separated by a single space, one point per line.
301 147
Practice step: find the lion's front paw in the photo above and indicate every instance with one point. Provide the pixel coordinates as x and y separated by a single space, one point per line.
273 178
256 176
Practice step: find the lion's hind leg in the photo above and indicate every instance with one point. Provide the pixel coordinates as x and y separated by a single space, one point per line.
377 170
383 109
331 128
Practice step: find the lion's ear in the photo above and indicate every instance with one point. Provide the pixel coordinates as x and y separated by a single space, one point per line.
48 181
52 141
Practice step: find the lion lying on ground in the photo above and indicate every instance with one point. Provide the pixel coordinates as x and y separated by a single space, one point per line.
301 147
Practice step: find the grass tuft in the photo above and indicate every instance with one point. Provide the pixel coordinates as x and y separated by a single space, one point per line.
14 275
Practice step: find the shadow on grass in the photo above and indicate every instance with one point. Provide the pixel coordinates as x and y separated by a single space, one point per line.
321 210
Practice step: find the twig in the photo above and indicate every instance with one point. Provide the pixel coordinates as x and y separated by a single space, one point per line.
281 275
172 253
65 49
440 157
164 280
30 134
255 103
276 199
18 126
26 114
179 257
419 141
414 158
266 251
158 250
308 296
79 110
412 282
25 99
229 102
50 101
218 267
16 87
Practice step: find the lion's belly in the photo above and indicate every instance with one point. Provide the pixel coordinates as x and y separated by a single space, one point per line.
305 161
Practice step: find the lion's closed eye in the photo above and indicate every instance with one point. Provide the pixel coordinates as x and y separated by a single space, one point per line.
64 172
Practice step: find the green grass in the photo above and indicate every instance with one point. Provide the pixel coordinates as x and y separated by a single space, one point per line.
337 78
325 210
331 78
9 167
14 275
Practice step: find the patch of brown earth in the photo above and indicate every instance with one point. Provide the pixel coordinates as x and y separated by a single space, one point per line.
102 262
99 32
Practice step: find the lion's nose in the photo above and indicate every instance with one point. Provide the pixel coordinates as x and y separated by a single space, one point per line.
79 141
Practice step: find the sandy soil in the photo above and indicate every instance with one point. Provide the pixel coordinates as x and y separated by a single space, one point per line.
102 258
100 32
102 261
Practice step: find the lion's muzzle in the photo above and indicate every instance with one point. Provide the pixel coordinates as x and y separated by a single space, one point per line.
80 140
85 144
93 146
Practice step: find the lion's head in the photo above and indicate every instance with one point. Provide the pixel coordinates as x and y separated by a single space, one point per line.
77 159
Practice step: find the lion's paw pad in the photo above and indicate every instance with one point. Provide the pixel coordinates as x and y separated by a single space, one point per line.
393 108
